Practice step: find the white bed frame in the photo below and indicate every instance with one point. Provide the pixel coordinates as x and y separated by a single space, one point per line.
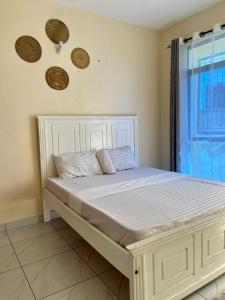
170 265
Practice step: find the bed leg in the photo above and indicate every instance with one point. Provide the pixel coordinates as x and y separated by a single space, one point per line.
136 293
46 211
136 281
132 290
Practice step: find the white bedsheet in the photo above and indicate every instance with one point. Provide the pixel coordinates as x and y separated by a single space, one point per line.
68 189
139 206
138 213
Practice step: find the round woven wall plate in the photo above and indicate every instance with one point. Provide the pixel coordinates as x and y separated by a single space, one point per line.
80 58
28 48
57 78
57 31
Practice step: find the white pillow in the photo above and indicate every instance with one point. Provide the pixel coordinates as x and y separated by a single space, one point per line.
69 165
105 162
123 158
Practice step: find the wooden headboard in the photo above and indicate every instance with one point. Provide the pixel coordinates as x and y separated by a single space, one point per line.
61 134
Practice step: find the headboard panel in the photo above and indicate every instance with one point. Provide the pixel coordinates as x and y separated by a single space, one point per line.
61 134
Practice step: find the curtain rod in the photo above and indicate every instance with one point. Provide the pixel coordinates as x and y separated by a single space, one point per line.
202 33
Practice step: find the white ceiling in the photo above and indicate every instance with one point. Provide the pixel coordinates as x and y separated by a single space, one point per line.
156 14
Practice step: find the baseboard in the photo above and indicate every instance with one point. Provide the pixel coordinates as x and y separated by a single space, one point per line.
2 227
24 222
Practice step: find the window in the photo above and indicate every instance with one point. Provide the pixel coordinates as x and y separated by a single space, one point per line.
205 156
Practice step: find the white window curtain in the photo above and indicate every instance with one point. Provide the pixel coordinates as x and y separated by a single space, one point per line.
202 105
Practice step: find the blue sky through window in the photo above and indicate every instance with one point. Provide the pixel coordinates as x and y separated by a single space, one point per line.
206 101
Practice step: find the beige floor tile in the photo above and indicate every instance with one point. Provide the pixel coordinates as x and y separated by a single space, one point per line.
8 259
209 291
59 224
4 240
29 231
56 273
117 282
92 289
14 286
220 283
94 259
194 296
73 238
40 247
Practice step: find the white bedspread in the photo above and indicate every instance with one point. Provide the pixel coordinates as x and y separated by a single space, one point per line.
135 204
143 207
68 190
85 195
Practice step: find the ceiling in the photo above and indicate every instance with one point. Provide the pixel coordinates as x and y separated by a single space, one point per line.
155 14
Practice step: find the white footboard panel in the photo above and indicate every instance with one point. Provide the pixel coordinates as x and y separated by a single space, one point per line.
174 267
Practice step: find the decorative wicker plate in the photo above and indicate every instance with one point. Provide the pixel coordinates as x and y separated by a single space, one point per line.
57 78
80 58
57 31
28 48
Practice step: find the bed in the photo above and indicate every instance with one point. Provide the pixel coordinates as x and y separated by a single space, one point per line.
167 247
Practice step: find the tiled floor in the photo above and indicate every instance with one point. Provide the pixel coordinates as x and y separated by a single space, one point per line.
52 262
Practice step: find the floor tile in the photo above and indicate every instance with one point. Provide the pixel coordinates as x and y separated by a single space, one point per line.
194 296
4 240
8 259
117 282
98 263
92 289
14 286
73 238
220 284
40 247
29 231
56 273
209 291
59 224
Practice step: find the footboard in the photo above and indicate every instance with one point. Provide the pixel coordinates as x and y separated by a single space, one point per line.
174 266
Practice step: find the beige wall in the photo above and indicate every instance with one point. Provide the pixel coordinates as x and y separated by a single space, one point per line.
202 21
126 81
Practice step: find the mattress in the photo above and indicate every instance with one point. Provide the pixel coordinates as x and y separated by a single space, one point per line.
135 204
